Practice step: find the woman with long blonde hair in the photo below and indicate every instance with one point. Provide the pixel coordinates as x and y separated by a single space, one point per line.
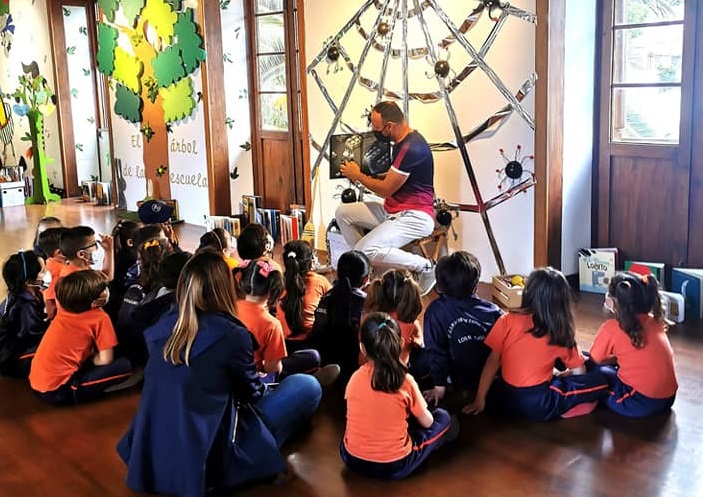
205 419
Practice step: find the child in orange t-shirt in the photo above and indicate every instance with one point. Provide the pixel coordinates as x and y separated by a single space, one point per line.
44 224
50 243
526 345
78 246
74 361
261 283
220 241
303 291
633 348
398 294
381 396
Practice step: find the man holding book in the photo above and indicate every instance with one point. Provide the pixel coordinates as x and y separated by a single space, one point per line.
380 229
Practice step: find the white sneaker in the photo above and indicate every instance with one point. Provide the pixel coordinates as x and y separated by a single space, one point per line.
426 280
327 375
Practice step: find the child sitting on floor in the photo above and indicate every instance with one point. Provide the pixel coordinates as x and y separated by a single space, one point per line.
22 318
635 352
455 326
390 431
75 361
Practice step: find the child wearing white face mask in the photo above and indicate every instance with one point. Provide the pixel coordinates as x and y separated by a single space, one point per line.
22 318
79 247
75 360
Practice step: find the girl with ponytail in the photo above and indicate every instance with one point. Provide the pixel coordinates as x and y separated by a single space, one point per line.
335 333
633 348
381 396
303 291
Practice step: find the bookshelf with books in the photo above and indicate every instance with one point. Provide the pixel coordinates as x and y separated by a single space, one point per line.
230 224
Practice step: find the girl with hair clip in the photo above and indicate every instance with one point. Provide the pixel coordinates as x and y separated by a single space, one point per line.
261 283
303 291
398 294
220 241
335 333
382 389
228 425
129 330
633 349
125 257
526 345
22 317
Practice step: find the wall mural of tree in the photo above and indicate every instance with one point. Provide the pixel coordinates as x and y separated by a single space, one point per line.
150 49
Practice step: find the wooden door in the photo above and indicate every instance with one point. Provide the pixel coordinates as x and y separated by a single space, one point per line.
277 137
644 173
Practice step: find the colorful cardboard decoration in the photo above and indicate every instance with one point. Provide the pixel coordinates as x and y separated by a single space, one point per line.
7 32
155 87
107 42
178 100
128 104
35 99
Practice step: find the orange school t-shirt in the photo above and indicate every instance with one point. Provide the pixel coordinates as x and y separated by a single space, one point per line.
411 333
266 329
649 370
315 287
66 269
68 343
526 360
377 422
54 267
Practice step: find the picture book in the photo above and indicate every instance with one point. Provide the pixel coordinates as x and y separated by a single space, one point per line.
689 283
646 268
596 267
373 156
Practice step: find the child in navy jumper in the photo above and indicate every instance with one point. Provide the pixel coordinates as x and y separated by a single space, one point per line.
455 326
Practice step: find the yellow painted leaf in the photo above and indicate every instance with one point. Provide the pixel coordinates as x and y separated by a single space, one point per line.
160 15
178 100
128 70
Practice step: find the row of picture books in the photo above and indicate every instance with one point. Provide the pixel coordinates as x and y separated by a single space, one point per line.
283 227
685 286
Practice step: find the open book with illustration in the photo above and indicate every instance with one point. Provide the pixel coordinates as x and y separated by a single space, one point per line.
373 156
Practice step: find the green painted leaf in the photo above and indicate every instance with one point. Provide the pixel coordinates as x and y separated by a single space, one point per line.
71 50
83 30
128 104
79 146
131 9
91 120
189 41
128 70
66 12
224 4
178 100
230 122
245 146
74 92
109 7
168 66
86 71
227 58
160 15
107 42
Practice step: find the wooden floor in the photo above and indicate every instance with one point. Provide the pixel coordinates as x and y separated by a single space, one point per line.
71 452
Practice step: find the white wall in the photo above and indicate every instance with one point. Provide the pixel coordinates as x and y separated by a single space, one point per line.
578 130
512 57
31 43
234 48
